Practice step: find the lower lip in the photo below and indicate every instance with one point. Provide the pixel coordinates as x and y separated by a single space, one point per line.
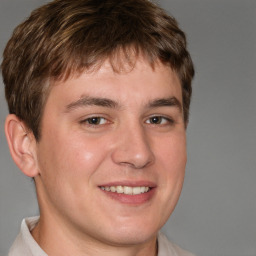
131 199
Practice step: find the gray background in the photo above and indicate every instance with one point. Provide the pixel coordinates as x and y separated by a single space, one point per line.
216 214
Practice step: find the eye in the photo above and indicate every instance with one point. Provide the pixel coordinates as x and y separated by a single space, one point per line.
95 120
159 120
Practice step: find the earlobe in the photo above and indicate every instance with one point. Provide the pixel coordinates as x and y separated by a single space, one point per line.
22 145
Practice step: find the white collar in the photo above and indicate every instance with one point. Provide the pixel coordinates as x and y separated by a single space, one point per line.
25 245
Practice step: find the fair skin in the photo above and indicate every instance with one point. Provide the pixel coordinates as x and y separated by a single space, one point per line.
100 131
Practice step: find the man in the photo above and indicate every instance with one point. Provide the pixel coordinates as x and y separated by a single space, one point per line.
98 94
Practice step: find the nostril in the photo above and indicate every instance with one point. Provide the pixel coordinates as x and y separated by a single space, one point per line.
133 159
133 148
135 165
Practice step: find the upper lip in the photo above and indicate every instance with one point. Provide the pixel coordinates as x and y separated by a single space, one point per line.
129 184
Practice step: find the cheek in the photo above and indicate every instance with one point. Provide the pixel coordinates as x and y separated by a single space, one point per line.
171 163
172 151
71 157
67 168
172 158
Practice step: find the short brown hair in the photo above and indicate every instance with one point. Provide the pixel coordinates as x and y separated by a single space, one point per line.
66 37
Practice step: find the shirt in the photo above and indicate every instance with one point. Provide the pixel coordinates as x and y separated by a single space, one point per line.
25 245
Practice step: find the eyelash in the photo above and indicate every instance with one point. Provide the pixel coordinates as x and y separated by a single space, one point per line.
89 121
96 121
167 120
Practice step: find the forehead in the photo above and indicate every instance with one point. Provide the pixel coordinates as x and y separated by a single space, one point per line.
140 82
119 62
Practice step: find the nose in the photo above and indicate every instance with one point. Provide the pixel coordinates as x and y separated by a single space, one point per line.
133 148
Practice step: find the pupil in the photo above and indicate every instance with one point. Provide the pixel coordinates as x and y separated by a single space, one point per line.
155 120
94 120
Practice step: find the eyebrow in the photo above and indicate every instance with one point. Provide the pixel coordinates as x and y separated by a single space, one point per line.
104 102
91 101
166 102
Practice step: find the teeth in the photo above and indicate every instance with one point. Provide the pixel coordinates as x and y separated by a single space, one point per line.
126 190
119 189
136 191
113 189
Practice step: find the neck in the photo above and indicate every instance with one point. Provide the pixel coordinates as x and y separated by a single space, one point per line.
56 239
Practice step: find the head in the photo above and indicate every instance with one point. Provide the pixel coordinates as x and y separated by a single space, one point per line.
66 37
102 91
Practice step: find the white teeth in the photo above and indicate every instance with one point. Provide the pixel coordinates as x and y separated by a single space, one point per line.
113 189
126 190
119 189
136 191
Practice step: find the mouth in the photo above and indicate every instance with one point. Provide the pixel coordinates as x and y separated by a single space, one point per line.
127 190
132 193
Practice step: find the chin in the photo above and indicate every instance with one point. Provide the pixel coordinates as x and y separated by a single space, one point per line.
132 234
128 237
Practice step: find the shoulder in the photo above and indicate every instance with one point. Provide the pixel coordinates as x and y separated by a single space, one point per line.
24 244
167 248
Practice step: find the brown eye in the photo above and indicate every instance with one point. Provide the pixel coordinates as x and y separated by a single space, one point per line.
95 120
159 120
155 120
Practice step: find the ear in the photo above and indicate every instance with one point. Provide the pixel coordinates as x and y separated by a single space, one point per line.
22 145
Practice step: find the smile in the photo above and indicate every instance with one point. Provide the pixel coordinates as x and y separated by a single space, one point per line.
126 189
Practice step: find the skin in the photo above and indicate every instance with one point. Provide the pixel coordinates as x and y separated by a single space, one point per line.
136 139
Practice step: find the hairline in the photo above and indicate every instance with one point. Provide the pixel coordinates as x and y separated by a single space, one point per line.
50 82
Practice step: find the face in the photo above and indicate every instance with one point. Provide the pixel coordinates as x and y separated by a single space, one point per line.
112 155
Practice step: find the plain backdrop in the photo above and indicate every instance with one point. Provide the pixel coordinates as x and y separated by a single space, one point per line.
216 214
